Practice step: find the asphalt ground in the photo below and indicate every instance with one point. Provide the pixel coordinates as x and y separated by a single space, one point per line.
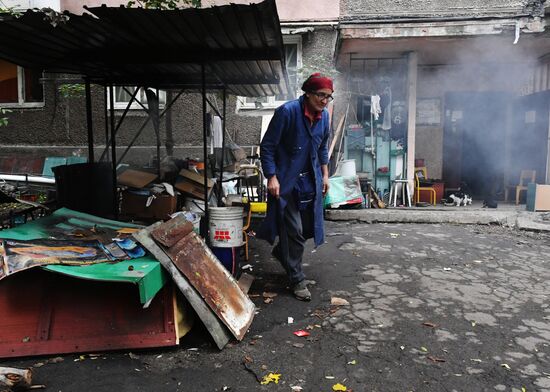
432 307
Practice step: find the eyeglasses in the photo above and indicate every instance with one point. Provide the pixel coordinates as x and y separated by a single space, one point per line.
323 96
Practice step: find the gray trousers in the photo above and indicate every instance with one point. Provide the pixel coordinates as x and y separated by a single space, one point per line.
290 248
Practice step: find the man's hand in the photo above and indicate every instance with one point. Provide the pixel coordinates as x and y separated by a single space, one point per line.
273 186
326 185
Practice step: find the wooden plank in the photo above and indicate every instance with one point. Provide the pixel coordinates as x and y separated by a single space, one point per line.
172 231
215 284
215 327
136 178
245 281
337 135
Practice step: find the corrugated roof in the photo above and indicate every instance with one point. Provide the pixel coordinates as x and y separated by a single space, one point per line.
241 46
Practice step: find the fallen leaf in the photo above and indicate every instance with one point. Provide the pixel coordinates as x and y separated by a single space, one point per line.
505 366
247 359
268 300
476 360
310 327
435 359
336 301
301 333
264 367
271 378
473 323
268 294
428 324
339 387
394 235
424 349
354 362
299 345
523 389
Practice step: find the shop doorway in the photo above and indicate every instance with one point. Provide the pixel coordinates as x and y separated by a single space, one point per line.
474 142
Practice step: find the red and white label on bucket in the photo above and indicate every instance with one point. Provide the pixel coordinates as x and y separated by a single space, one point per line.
222 235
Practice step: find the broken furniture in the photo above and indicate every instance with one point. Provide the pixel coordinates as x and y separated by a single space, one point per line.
420 174
526 177
102 311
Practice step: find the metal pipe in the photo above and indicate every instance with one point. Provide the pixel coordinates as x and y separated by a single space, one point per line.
106 116
205 155
113 151
223 148
120 121
144 125
26 178
89 121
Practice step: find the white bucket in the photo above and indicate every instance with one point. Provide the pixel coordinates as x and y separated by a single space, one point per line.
194 205
346 168
226 226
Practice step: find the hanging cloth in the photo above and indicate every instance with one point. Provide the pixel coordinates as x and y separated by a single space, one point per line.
217 133
386 123
375 108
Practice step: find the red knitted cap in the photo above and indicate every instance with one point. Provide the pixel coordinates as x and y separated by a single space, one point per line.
317 82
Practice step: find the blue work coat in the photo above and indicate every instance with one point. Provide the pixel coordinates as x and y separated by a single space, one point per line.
289 144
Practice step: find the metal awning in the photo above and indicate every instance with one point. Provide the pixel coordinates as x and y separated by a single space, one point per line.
241 46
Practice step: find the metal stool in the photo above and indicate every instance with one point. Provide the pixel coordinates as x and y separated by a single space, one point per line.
405 193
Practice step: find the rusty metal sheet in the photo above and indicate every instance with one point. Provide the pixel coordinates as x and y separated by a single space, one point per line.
168 233
214 283
215 327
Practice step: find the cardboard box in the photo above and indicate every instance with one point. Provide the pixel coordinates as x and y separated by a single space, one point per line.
192 183
135 205
538 197
191 188
195 177
136 178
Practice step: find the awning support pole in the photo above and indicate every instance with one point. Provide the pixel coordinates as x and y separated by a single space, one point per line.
89 122
113 151
204 227
120 121
144 125
106 116
223 148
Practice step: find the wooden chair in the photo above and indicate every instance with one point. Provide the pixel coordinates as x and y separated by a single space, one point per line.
525 177
421 173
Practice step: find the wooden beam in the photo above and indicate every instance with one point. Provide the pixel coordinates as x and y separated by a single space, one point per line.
411 125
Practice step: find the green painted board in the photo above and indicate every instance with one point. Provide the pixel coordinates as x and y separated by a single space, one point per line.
146 271
51 162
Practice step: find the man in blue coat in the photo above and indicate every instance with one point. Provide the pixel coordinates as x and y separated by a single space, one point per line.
294 154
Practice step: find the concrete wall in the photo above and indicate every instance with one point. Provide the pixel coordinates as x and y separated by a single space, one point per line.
374 9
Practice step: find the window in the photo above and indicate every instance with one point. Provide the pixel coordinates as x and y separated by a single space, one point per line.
293 62
123 96
20 86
